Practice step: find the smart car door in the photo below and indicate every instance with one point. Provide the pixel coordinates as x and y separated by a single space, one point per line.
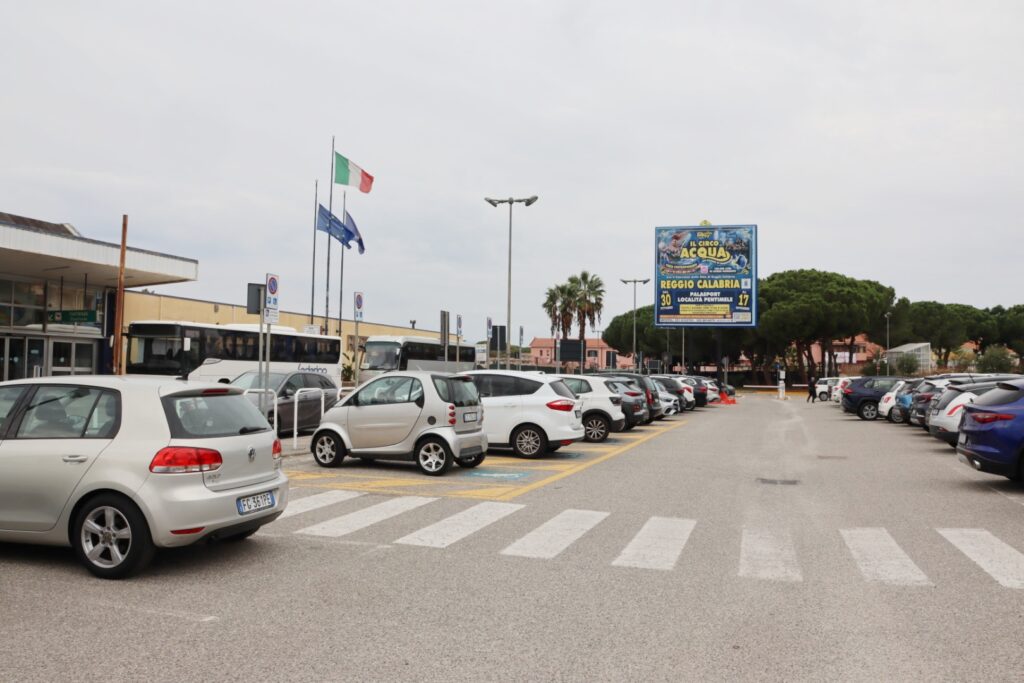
384 412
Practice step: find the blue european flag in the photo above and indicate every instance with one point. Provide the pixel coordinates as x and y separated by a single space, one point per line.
345 232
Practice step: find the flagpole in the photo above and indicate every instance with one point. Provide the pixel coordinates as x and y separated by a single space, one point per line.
341 273
312 286
330 210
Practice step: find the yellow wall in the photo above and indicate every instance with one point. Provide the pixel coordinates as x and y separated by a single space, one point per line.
144 306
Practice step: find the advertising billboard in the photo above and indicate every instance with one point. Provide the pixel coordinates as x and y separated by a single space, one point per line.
706 276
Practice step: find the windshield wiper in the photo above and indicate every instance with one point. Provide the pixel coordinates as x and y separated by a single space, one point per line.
250 430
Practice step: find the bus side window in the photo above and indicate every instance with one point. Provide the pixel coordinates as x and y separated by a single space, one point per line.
213 344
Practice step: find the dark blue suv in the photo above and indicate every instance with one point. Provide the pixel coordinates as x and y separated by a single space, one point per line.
862 395
992 431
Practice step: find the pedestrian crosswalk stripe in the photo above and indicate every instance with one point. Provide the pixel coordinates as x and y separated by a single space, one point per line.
768 554
657 545
1002 562
880 559
555 535
459 525
360 519
297 506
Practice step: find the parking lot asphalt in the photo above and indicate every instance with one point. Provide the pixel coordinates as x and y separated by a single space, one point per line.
771 540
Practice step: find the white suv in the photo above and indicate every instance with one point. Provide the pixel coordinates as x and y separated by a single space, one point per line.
529 413
602 406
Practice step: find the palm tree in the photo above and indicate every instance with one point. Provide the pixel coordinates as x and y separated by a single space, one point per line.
589 302
550 306
567 298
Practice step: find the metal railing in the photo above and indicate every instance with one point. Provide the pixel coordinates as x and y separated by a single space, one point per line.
295 412
273 400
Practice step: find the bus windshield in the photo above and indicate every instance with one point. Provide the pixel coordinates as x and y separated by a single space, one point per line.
380 356
155 355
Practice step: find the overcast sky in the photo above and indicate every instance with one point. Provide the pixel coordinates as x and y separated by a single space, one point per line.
881 140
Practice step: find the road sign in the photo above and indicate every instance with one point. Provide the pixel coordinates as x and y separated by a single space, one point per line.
272 292
520 339
359 306
489 326
458 325
67 317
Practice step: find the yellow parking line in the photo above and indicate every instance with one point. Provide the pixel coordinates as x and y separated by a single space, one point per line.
518 491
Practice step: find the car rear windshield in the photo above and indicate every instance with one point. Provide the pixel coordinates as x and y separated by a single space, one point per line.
947 398
1001 395
212 416
459 391
561 389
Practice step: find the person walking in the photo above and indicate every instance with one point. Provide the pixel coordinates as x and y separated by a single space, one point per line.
811 395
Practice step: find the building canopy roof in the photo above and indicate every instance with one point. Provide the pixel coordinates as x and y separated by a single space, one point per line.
35 248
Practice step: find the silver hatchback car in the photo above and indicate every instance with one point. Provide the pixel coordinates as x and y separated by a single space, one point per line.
433 419
116 467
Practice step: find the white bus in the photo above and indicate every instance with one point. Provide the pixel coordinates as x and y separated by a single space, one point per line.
382 353
217 353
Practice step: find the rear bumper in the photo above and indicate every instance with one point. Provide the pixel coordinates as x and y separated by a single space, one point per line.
171 502
978 461
944 434
468 445
618 425
566 433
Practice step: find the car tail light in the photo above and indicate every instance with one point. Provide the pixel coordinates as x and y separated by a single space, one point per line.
276 450
183 532
451 414
847 391
563 404
215 392
988 418
647 392
634 394
566 442
955 409
183 459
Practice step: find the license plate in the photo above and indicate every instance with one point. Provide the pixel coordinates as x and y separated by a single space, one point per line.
250 504
469 417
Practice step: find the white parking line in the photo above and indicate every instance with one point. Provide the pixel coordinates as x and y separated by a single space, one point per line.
360 519
880 559
658 544
1002 562
297 506
556 534
458 526
768 554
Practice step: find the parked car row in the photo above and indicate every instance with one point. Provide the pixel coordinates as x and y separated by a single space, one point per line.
980 415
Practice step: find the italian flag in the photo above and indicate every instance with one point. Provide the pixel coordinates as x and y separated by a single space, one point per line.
347 173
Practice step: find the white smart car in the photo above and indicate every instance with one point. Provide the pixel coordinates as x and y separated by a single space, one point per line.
116 467
431 418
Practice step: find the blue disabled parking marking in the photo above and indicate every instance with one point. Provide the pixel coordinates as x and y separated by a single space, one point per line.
505 476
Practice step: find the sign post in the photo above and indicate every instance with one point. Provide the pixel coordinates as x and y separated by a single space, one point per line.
444 338
271 316
490 326
357 316
458 340
520 348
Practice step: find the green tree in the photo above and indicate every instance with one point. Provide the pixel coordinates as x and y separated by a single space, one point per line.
996 358
942 325
906 364
588 293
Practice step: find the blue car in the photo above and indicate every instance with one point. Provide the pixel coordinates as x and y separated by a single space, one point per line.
992 431
904 401
862 395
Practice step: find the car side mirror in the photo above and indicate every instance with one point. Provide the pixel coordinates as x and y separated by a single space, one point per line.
287 392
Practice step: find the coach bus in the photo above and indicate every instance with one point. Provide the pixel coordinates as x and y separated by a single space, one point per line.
217 353
382 353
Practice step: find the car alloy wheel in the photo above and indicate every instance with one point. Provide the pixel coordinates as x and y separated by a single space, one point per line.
327 451
868 411
595 428
529 442
823 396
111 537
433 457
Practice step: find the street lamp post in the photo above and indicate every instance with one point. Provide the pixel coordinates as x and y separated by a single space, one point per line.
508 309
888 370
634 283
